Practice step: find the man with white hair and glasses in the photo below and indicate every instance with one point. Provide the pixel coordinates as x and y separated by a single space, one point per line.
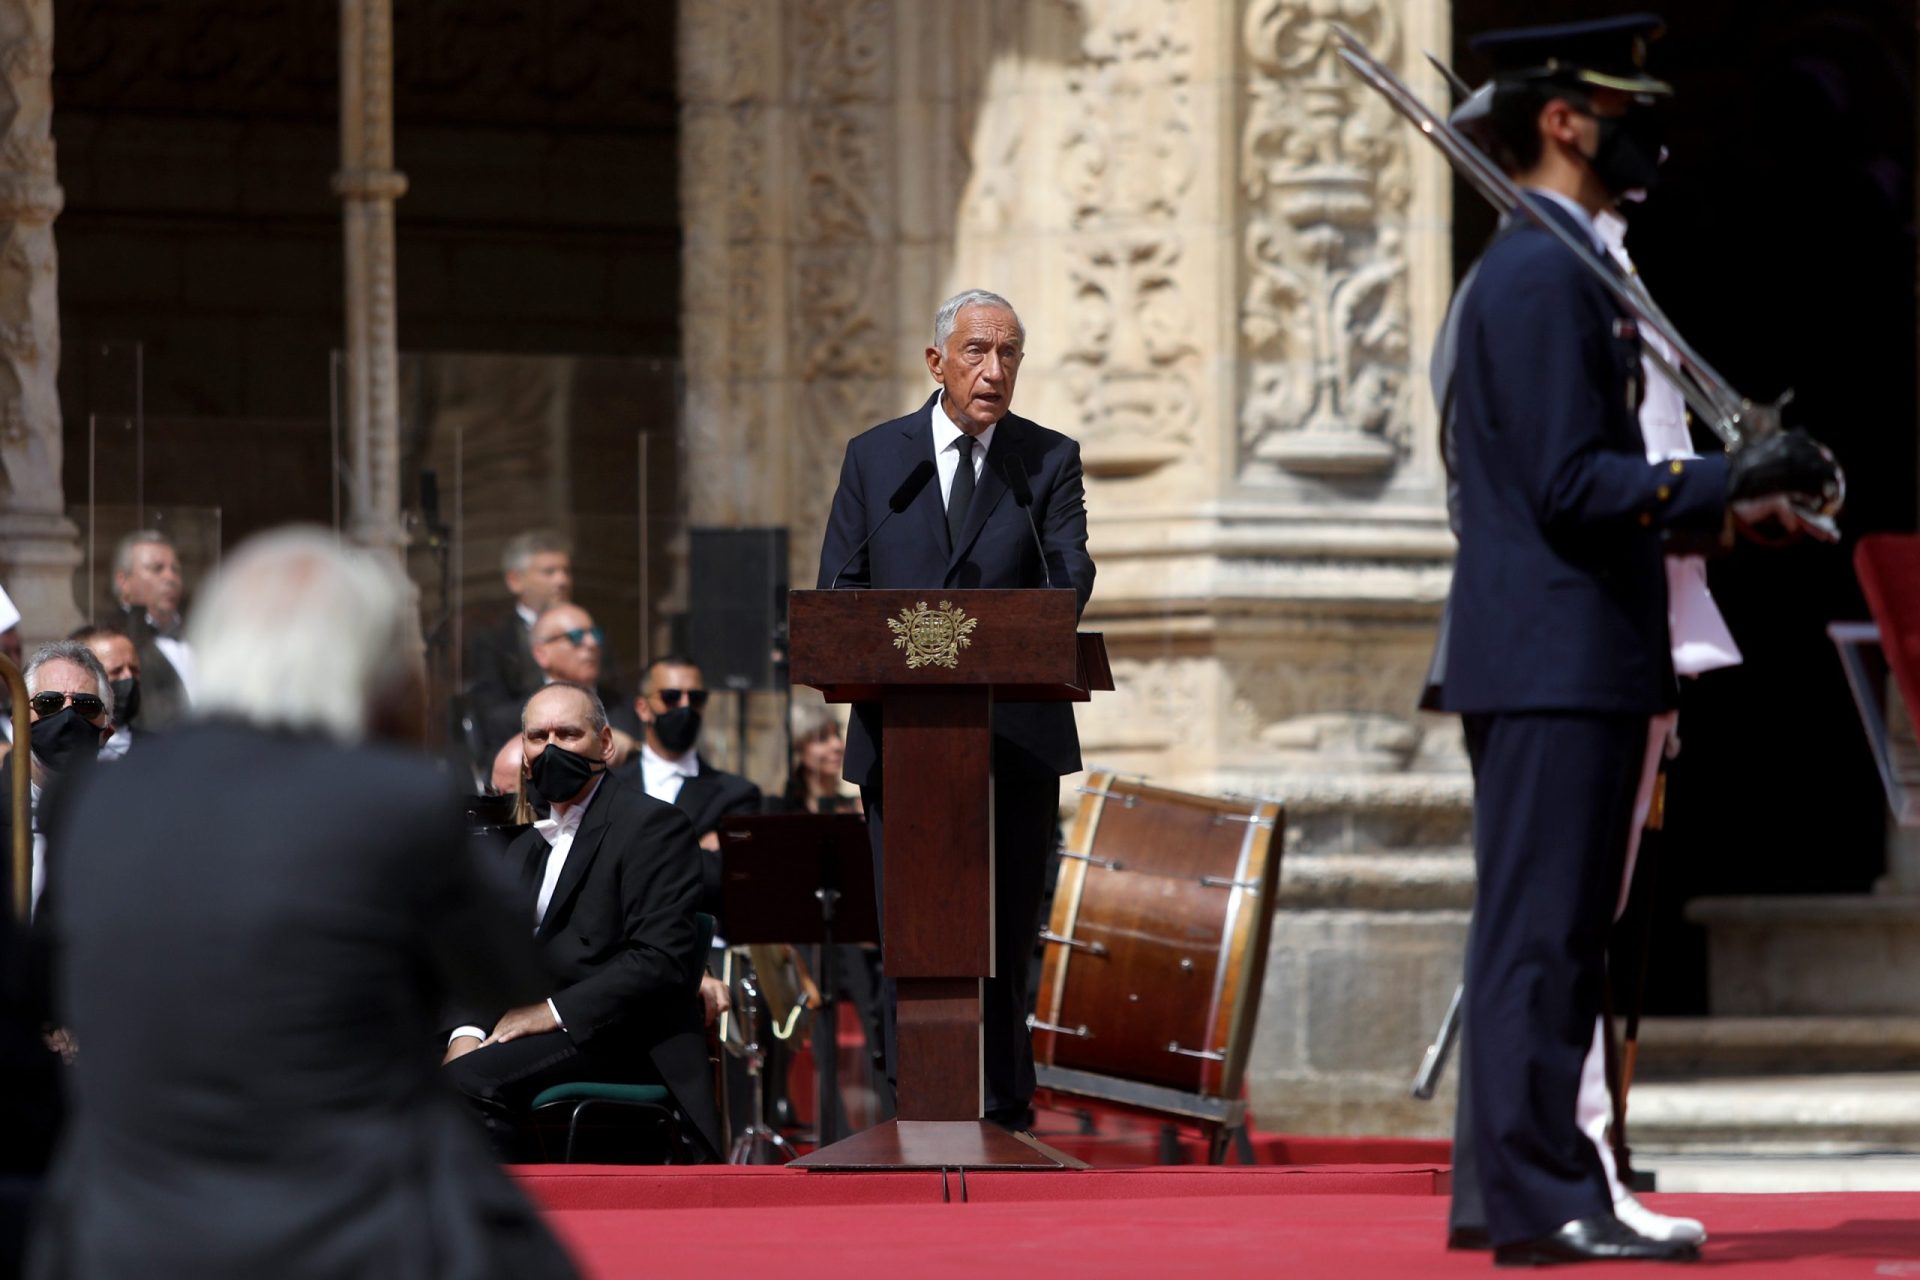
259 919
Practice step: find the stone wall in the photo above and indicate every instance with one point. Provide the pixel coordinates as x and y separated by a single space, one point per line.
1227 254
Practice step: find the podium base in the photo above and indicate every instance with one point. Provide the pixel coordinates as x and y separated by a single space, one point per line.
937 1144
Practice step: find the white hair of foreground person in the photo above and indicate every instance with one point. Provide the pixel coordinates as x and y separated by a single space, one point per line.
298 631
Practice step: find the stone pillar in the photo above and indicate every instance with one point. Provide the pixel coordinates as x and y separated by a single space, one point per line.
368 184
39 546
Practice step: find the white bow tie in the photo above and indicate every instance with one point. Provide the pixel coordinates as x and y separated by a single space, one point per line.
553 828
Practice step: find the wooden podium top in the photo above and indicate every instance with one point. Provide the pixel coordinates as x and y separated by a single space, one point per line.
853 645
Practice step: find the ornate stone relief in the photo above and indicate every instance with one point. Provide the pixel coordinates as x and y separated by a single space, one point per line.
1127 167
1324 317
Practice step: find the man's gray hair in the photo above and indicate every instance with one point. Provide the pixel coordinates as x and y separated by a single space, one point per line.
298 631
523 547
943 318
596 709
123 553
79 655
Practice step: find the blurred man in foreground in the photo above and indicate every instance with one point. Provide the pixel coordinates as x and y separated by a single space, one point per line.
260 918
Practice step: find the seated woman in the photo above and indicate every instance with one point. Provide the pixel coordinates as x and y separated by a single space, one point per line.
815 785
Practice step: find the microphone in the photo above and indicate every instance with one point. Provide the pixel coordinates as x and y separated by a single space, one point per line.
1023 495
902 499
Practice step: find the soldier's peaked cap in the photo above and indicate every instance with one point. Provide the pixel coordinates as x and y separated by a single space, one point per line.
1610 53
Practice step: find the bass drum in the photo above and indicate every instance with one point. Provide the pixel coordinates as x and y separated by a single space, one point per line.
1157 943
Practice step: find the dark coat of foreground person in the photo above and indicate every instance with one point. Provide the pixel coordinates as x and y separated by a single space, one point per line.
258 933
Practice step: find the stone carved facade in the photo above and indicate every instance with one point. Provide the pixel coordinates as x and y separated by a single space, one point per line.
1324 315
38 544
1226 257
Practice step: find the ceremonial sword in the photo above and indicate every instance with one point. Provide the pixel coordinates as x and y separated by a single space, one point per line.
1732 417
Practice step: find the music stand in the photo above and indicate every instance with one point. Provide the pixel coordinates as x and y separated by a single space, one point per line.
801 878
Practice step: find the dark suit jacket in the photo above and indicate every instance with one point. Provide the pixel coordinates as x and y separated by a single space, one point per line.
622 956
163 698
1559 598
995 551
705 798
258 932
501 675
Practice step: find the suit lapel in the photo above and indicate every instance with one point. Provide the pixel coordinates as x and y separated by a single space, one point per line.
916 447
991 488
586 843
695 793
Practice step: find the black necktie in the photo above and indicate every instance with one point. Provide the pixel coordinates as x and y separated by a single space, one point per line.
962 495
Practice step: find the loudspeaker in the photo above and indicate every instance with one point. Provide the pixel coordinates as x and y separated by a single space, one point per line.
738 606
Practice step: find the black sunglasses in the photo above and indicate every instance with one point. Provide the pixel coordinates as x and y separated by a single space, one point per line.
696 698
49 702
578 636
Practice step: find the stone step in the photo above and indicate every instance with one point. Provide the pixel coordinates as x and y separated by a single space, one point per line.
1779 1175
1692 1048
1833 954
1778 1115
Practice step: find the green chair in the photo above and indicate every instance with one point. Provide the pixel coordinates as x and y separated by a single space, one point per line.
647 1099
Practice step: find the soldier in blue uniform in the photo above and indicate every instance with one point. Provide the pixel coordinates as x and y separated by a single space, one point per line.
1555 649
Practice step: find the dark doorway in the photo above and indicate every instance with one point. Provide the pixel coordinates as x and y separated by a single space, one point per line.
1781 240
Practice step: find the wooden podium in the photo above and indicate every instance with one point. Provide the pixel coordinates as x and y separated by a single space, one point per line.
936 661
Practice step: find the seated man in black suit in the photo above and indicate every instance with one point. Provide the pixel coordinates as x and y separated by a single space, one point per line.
69 707
670 766
568 648
500 671
117 654
609 881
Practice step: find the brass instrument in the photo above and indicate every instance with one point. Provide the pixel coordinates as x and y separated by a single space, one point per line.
22 762
1734 418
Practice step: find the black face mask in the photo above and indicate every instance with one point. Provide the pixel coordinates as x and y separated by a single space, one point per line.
126 701
1627 156
677 729
559 774
63 738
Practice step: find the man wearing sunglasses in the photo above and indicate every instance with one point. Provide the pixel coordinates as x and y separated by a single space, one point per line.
70 705
569 648
671 768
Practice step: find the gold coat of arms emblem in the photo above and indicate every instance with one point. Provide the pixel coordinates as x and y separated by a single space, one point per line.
932 637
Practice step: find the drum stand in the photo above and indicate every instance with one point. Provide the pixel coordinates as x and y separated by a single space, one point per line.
758 1140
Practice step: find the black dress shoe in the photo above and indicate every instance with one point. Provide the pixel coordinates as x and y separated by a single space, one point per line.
1469 1239
1598 1239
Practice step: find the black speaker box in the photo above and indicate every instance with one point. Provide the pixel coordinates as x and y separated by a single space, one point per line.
738 606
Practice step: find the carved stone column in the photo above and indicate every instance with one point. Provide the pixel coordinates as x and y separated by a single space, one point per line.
39 547
368 184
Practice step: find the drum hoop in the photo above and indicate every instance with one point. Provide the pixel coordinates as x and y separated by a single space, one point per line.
1257 927
1086 829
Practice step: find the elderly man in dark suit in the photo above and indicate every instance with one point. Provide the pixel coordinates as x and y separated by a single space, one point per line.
256 985
964 529
149 583
609 882
1556 649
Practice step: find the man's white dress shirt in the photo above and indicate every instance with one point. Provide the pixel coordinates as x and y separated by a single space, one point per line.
179 655
665 775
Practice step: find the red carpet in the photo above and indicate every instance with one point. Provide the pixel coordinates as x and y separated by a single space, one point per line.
1346 1236
1345 1222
